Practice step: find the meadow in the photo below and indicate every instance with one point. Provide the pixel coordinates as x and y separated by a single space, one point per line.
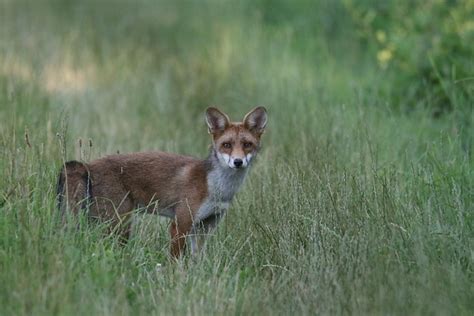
361 200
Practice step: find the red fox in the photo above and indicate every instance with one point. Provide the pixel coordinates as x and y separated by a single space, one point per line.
194 193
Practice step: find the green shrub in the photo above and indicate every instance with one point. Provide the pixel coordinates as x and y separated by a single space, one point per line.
424 46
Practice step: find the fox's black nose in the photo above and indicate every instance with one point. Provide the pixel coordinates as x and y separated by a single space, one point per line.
238 163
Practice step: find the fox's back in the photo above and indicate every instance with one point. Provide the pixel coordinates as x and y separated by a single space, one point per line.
149 176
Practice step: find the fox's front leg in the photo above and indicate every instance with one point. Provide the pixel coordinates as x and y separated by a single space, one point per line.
196 239
202 230
179 229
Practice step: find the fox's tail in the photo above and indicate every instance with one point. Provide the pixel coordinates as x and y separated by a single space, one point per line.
74 189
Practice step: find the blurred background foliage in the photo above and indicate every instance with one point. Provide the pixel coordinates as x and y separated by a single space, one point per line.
426 47
422 50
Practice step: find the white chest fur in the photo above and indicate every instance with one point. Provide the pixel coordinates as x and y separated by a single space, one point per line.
210 207
222 184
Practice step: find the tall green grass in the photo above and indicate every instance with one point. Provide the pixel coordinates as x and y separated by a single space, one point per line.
351 208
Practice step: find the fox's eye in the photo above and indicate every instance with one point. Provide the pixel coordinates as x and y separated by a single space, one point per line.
247 145
226 145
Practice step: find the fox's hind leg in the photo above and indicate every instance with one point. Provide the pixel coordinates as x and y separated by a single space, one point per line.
124 228
118 217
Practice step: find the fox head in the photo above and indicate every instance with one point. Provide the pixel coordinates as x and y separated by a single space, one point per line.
236 143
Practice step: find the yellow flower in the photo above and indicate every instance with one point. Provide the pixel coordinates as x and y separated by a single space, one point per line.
384 56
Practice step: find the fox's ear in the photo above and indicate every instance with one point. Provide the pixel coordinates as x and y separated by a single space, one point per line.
256 120
216 120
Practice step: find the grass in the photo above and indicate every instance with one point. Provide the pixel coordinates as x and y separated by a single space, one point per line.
352 207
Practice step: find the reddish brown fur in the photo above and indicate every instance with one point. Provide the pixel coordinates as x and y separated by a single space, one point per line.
75 182
149 179
233 133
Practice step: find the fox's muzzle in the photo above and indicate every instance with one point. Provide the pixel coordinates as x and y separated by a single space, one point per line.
238 162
